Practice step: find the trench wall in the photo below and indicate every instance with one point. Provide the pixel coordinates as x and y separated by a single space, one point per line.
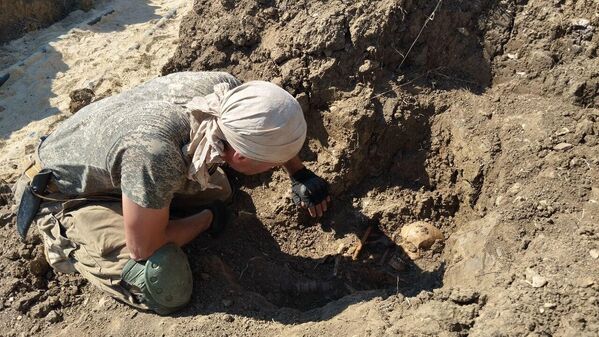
18 17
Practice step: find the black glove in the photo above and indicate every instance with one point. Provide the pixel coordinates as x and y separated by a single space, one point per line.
308 188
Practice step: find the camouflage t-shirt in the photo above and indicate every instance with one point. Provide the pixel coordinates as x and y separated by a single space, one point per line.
130 143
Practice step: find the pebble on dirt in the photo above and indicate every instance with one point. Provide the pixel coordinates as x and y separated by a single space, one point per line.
594 253
581 23
562 146
534 279
53 317
25 302
39 266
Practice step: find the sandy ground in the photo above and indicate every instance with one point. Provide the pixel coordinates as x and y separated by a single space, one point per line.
128 45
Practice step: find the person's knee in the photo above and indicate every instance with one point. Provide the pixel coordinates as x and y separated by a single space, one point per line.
163 282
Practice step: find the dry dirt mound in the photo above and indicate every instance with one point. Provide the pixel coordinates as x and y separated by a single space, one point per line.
398 125
480 118
19 17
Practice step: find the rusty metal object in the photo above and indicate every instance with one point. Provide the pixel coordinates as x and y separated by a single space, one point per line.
397 263
306 287
361 243
338 259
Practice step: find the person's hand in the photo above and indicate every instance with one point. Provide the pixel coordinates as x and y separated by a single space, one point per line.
310 191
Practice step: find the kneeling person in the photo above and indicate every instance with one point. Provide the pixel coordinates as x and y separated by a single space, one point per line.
108 178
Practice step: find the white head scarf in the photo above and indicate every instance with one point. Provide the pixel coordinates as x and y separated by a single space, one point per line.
258 119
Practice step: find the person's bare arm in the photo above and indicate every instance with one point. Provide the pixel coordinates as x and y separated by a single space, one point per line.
148 229
293 165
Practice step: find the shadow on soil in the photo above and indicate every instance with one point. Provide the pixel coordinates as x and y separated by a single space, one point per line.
245 272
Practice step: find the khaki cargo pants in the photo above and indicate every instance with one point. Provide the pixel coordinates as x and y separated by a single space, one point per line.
88 236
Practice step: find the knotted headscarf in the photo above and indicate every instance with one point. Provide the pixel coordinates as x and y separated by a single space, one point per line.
258 119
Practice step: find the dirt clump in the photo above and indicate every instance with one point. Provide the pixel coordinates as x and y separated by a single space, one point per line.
551 50
80 98
30 290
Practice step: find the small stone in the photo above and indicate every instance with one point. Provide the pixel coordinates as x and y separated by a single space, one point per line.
228 318
25 302
562 132
574 162
534 279
577 88
486 113
594 253
586 282
12 255
514 189
562 146
53 317
550 305
135 46
581 23
40 310
367 66
461 296
19 317
25 253
583 128
39 266
227 303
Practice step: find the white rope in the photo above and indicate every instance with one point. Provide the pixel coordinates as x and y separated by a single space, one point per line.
429 18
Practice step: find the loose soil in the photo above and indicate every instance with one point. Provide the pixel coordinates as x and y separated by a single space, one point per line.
480 119
21 16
